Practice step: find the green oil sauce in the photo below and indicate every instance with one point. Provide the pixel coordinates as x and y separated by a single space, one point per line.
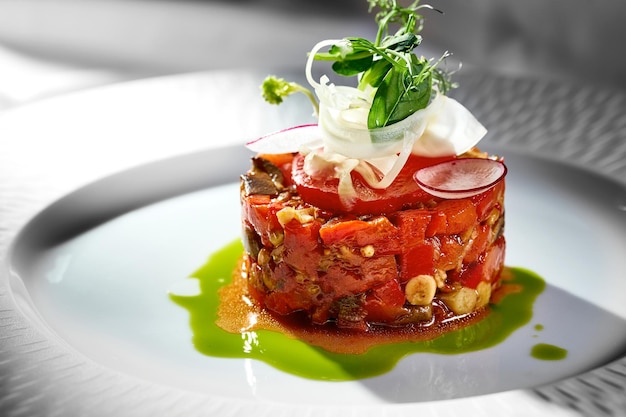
547 352
298 358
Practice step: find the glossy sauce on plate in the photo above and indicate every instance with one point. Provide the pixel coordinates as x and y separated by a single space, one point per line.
290 354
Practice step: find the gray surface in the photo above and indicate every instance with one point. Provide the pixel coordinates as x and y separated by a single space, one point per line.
558 38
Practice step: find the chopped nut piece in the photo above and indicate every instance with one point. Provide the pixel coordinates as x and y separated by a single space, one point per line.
493 217
306 215
276 238
264 257
462 301
277 254
420 290
440 277
368 251
484 294
468 234
285 215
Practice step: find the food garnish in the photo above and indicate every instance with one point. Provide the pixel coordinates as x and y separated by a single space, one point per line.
398 107
460 178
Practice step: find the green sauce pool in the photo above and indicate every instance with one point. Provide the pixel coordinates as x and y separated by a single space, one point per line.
296 357
547 352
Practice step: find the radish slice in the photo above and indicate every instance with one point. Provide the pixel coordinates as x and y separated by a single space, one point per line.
288 140
460 178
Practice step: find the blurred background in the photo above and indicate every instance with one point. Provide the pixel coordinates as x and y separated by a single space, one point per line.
49 47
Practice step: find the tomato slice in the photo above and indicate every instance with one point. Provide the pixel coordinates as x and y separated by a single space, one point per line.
403 193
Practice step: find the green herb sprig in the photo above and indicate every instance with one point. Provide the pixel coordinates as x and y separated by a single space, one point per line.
274 89
404 83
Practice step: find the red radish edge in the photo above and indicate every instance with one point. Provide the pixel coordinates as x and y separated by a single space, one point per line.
285 140
460 178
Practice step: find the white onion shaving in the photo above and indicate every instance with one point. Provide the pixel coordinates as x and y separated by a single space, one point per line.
391 175
334 166
452 129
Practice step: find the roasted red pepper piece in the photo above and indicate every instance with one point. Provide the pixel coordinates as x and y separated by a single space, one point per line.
478 243
460 215
487 267
378 232
343 280
260 212
304 251
486 201
412 225
417 260
450 252
385 302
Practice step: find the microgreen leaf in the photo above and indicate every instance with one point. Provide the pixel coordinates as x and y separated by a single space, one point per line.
349 67
402 43
399 96
402 82
375 74
274 89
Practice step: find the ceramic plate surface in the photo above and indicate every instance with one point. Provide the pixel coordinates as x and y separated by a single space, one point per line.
92 272
101 283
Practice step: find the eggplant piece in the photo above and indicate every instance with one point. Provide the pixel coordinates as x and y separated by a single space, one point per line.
264 178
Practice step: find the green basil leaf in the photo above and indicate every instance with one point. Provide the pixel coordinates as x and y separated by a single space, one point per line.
398 97
376 73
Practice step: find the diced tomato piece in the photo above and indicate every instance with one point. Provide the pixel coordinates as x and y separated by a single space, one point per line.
485 202
450 251
438 224
460 215
451 217
258 199
494 259
485 269
345 281
379 269
478 244
412 225
278 159
417 260
385 302
262 214
303 251
378 232
284 299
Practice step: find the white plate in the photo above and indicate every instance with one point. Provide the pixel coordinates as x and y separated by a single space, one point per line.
92 271
104 290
